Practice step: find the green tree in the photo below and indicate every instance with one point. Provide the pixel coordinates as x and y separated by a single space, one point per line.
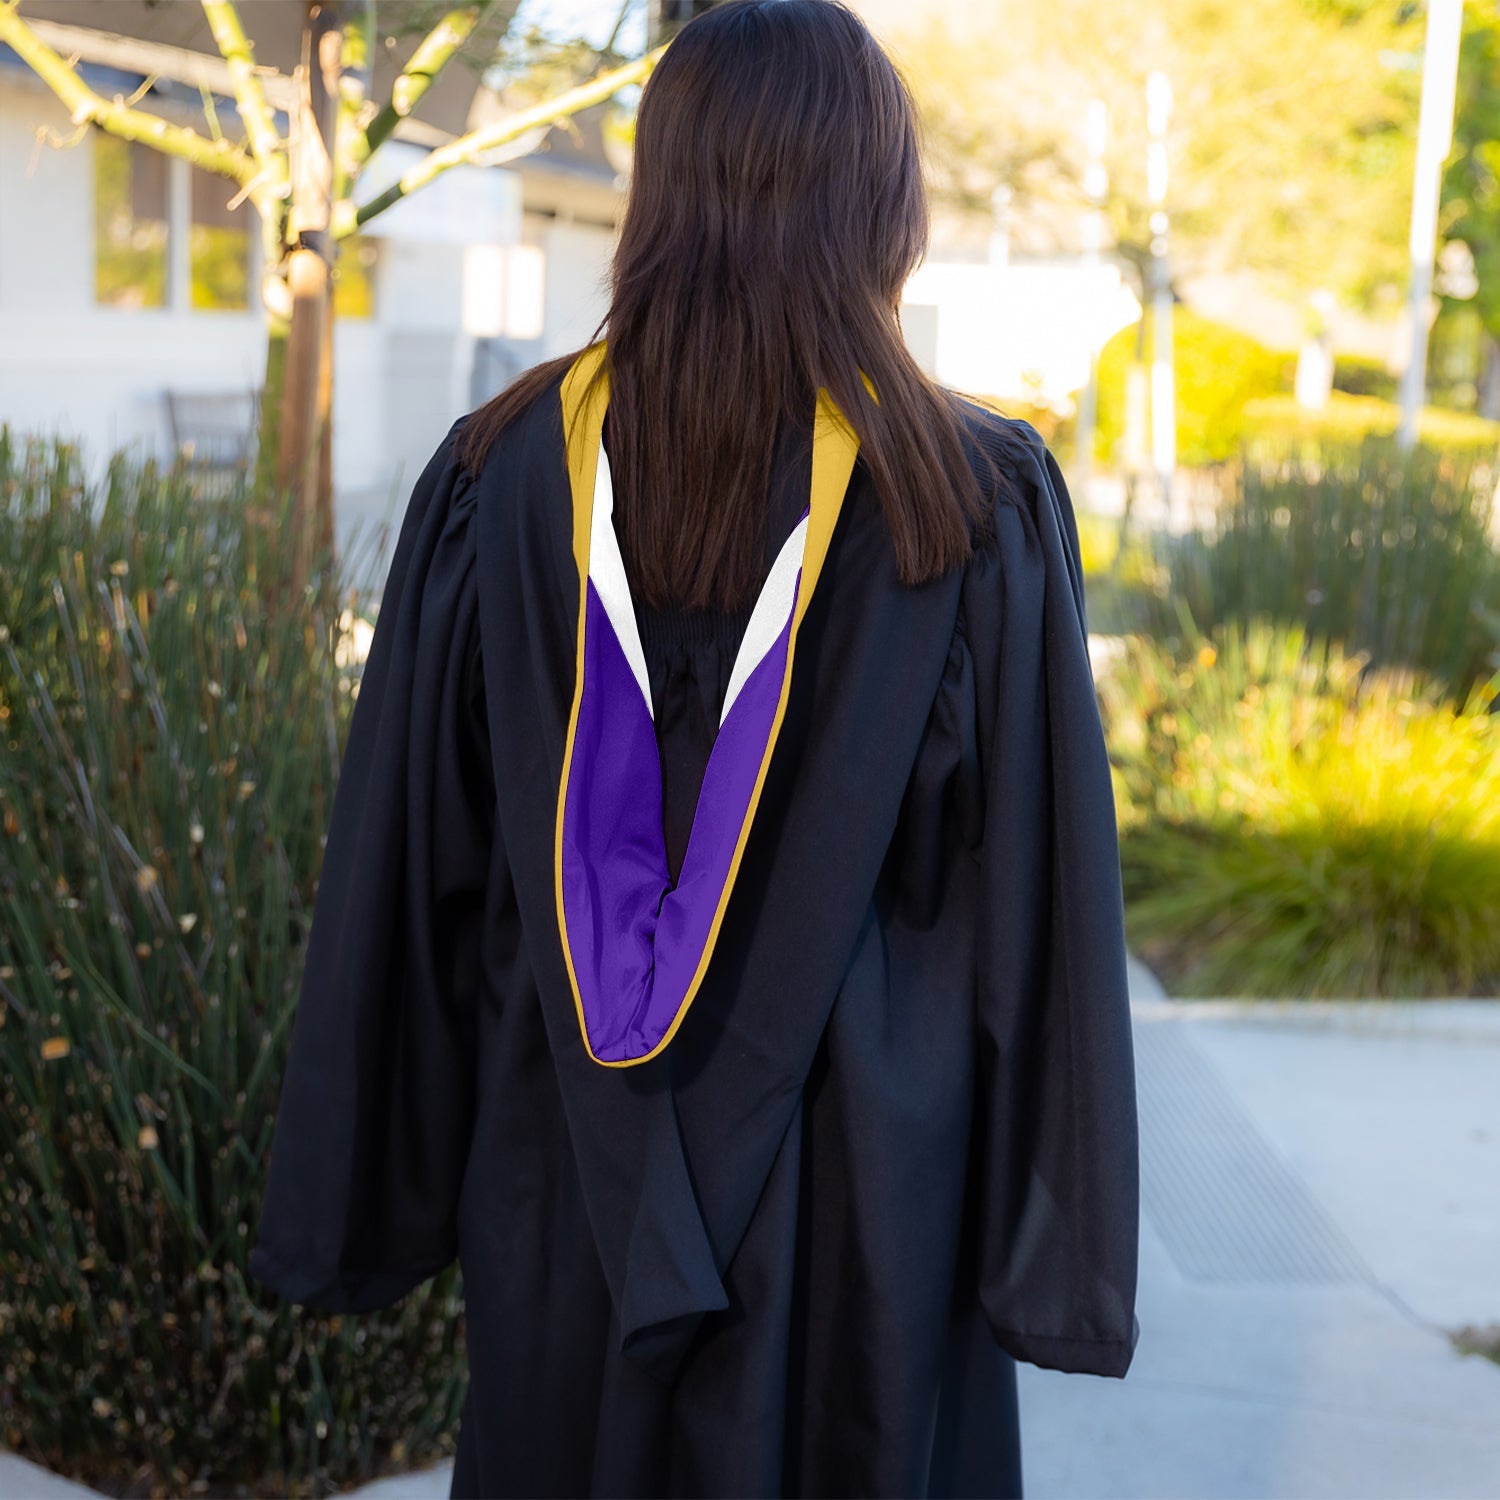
1470 209
1291 144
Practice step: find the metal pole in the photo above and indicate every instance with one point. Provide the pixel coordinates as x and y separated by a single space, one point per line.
179 234
1000 200
1095 186
1434 139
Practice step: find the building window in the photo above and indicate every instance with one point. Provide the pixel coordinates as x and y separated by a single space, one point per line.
130 223
218 245
164 234
354 277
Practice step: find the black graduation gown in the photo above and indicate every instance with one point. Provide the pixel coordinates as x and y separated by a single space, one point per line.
892 1147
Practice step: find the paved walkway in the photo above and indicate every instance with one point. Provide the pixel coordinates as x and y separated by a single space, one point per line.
1320 1205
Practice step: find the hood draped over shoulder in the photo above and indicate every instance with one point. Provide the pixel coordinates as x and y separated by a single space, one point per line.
935 826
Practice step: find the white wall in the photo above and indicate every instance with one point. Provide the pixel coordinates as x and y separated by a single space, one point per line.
46 206
97 374
1014 331
67 365
576 295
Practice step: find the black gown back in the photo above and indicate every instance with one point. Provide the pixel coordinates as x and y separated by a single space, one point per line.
892 1148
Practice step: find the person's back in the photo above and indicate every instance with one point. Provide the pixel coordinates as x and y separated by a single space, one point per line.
719 948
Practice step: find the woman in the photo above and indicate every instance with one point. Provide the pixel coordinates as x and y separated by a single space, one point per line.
719 947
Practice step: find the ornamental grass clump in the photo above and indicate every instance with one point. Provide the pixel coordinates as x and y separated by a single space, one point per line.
1295 824
170 732
1392 553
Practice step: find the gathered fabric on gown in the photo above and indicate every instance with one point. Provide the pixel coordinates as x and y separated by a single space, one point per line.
785 1256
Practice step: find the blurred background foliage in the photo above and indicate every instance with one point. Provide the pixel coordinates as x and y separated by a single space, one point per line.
1218 371
1348 419
1307 196
1294 823
1302 719
1387 553
1265 178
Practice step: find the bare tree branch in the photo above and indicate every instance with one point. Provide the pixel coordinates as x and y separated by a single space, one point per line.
355 60
250 97
468 147
614 32
118 118
433 54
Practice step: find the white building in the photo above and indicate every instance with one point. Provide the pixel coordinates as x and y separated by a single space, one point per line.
124 276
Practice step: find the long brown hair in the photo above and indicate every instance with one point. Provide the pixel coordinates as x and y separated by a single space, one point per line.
776 208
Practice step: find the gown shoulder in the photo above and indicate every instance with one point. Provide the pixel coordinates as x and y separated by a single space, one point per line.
1057 1171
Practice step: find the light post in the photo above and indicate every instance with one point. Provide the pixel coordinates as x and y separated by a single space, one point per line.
1163 394
1095 187
1434 139
1000 201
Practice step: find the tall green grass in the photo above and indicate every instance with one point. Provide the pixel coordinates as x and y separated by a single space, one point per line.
1392 554
1124 583
169 744
1348 417
1294 824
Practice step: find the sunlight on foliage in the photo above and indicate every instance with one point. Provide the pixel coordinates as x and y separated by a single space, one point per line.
1293 824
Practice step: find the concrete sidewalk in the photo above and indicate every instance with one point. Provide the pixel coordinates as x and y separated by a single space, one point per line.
1320 1206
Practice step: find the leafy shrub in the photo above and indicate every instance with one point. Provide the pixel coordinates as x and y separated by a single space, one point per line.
169 745
1122 585
1295 824
1359 375
1455 355
1347 419
1058 431
1098 541
1217 371
1388 552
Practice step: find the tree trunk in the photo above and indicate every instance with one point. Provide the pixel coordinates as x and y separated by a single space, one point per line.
302 466
323 536
298 466
273 388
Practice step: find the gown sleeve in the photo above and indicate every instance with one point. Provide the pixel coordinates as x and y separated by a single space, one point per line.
1058 1189
377 1098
